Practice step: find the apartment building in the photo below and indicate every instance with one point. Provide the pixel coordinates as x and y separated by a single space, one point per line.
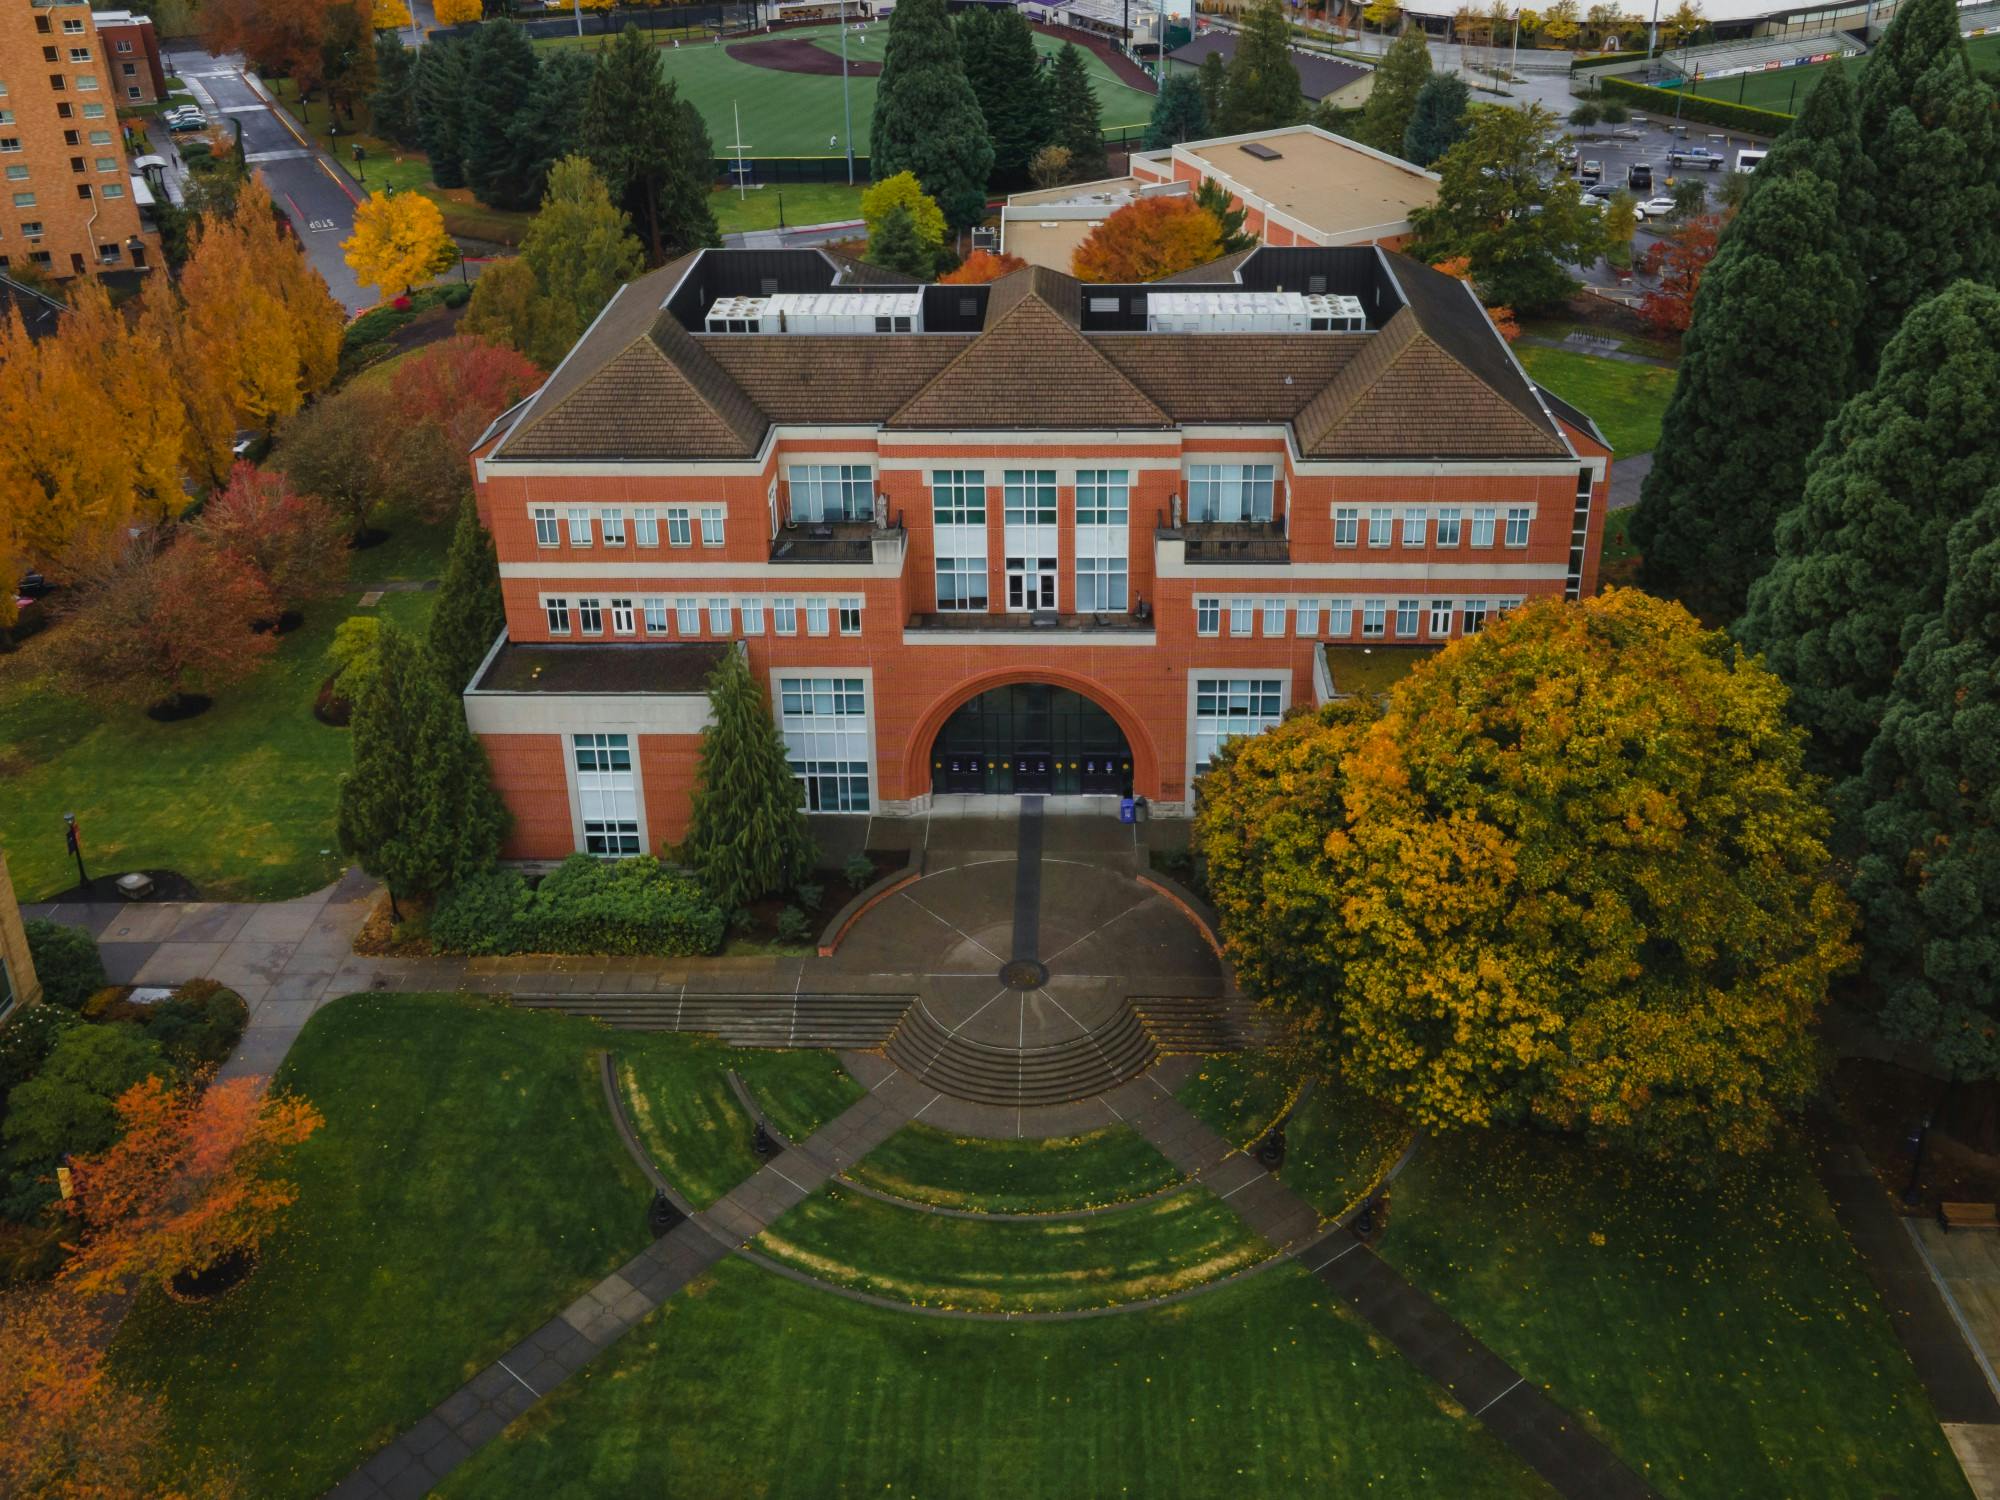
132 56
1033 537
68 205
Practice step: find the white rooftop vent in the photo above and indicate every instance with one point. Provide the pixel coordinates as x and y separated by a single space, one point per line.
818 312
1252 312
741 315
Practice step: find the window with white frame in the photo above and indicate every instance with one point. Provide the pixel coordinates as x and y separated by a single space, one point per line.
1448 527
958 516
850 616
1381 525
1517 525
719 608
1231 492
655 610
1103 540
687 616
558 613
1030 538
1415 522
824 721
1440 619
1482 526
958 497
752 609
1308 618
1340 618
680 530
611 523
1475 616
961 580
785 616
1208 617
646 526
1274 617
1373 612
547 534
621 617
1407 612
816 617
1242 616
1225 707
711 526
589 617
1347 526
579 526
607 794
831 492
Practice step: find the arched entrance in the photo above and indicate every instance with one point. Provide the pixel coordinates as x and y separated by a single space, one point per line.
1027 737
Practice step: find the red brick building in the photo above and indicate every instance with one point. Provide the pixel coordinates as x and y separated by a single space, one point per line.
132 56
1034 537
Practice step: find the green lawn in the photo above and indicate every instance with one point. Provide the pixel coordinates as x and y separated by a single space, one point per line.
239 799
798 1091
1026 1176
687 1117
749 1385
1372 670
1127 1254
387 165
1625 400
1337 1146
1785 89
1723 1339
802 202
1239 1094
467 1184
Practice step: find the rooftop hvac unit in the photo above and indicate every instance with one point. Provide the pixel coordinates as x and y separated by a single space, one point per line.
1252 312
818 312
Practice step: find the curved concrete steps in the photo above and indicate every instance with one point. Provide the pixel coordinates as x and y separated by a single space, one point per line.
1079 1067
1203 1023
854 1022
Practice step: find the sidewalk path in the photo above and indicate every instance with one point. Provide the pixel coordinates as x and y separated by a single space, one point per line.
479 1410
1541 1433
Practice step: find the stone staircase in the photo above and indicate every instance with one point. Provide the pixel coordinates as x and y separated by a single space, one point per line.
858 1022
1203 1023
1076 1068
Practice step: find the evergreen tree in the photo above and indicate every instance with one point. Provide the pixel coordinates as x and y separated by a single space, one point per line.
1862 554
1178 113
417 810
1078 123
1824 139
1930 136
580 249
747 835
346 57
470 612
1006 75
1929 883
1437 123
552 123
442 76
646 145
502 71
1212 78
1404 70
393 105
1228 217
1766 362
927 118
1262 91
896 246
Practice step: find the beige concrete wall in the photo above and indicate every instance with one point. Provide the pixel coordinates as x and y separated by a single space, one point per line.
14 944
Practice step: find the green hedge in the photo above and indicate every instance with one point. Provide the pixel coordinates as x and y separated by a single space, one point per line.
1605 60
66 962
588 905
1696 107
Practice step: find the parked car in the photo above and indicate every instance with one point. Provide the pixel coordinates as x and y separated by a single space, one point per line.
1568 158
1654 208
1694 156
193 121
1601 192
1639 177
1591 171
1746 161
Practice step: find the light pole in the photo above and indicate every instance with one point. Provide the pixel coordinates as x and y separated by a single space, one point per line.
846 103
73 836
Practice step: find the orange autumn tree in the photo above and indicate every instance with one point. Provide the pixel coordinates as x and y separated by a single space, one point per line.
1146 240
188 1186
1680 261
981 267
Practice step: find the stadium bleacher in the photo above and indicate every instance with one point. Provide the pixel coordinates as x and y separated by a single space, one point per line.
1758 55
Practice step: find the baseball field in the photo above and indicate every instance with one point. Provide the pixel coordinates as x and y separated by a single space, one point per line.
1784 89
787 87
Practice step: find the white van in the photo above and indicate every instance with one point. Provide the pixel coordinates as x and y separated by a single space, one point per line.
1746 161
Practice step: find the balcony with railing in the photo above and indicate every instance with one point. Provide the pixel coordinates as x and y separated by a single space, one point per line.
821 544
1211 543
1050 626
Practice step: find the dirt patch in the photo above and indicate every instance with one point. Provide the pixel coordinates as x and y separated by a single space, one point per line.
791 55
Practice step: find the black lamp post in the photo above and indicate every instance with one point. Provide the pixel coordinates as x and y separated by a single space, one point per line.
73 837
360 172
1913 1196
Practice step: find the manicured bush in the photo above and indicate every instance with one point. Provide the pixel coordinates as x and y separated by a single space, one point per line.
66 961
793 926
859 871
809 894
1696 107
588 905
200 1025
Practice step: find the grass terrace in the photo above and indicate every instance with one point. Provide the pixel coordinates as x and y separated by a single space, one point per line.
1017 1177
1240 1095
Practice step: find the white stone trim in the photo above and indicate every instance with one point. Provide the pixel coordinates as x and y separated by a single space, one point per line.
917 635
500 713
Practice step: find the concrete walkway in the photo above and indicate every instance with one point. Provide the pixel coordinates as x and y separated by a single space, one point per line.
479 1410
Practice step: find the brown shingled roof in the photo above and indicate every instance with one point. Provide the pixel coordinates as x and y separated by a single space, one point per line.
832 377
1265 377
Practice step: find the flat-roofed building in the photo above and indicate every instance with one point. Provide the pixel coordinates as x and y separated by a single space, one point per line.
132 57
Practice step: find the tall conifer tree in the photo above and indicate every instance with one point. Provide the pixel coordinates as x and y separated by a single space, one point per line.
1262 91
651 149
1010 83
470 612
1405 69
927 118
747 835
441 75
1178 113
1078 124
500 84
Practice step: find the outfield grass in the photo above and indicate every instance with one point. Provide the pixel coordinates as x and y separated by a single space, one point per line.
239 799
1124 1255
467 1184
749 1385
1723 1339
1239 1094
802 202
1025 1176
1625 400
1785 89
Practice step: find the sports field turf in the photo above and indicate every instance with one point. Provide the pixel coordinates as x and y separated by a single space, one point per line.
1784 89
793 114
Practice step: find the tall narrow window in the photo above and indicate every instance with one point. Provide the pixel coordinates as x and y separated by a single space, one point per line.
1242 616
621 617
1407 611
752 609
850 616
590 617
656 615
718 614
1381 526
958 518
546 532
1440 619
1517 525
1274 617
1103 540
816 617
1482 526
1031 539
1347 526
558 613
680 531
1340 618
607 794
687 616
1415 521
785 616
711 526
579 526
1308 610
1448 527
1208 617
646 526
1372 612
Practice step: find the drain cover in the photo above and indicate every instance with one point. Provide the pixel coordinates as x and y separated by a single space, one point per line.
1025 974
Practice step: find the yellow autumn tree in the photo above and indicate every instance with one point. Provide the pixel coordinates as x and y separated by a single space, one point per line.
398 241
458 12
904 191
1576 876
389 15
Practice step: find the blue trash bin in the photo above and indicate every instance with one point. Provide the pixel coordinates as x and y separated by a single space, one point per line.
1125 812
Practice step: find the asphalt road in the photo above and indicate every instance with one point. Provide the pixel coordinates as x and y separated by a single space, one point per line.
312 191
